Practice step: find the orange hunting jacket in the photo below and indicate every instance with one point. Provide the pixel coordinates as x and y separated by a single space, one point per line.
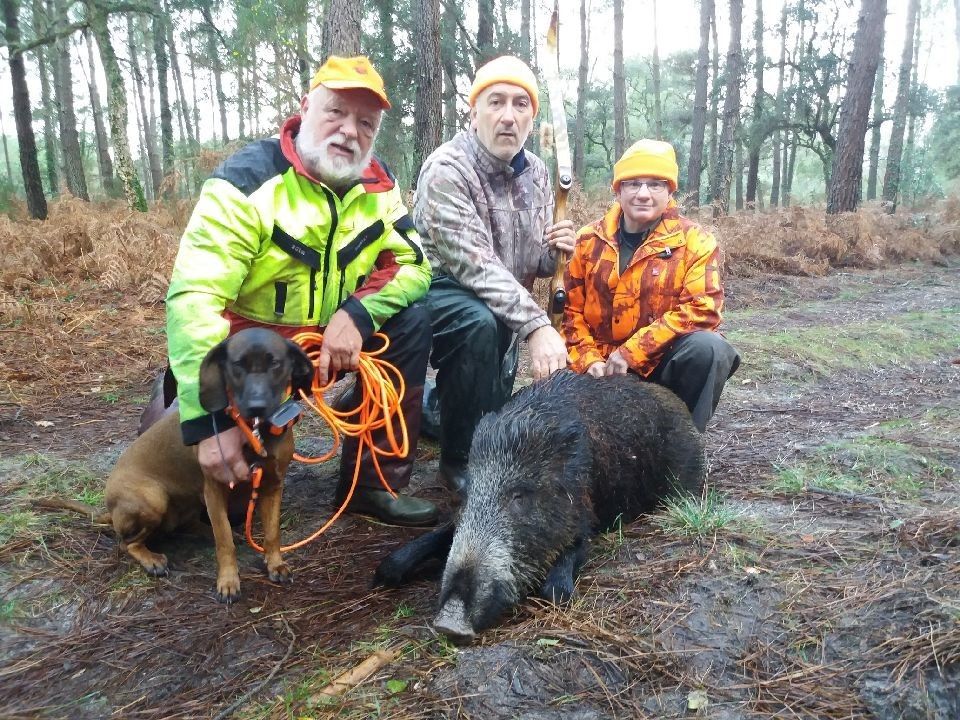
670 288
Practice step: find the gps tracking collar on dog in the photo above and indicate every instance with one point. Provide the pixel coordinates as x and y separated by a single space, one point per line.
284 417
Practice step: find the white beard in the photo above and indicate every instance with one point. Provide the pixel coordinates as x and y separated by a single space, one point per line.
334 170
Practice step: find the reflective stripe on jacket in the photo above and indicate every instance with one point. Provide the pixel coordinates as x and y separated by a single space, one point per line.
484 226
269 243
670 287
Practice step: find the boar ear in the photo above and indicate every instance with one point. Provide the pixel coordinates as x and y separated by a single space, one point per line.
213 389
302 372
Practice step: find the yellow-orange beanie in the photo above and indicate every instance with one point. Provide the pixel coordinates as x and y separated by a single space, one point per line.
506 69
647 158
340 73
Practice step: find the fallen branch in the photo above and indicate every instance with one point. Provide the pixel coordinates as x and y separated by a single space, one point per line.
355 676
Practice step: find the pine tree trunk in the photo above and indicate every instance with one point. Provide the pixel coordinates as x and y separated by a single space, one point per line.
50 145
160 21
428 131
906 186
450 122
847 171
878 119
6 151
149 141
104 163
579 128
738 175
66 114
891 176
117 108
217 67
619 84
29 167
304 70
657 108
781 117
789 164
699 121
715 95
720 185
187 132
756 132
525 32
485 15
341 28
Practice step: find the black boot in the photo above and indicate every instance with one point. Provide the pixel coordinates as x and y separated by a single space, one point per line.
454 476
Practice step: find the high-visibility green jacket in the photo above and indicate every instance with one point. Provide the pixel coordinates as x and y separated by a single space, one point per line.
270 244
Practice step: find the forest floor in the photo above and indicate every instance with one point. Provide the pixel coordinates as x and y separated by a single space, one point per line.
818 577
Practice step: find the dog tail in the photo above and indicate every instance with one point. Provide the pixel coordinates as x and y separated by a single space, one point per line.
53 503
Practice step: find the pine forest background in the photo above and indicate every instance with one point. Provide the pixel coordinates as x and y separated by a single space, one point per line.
781 103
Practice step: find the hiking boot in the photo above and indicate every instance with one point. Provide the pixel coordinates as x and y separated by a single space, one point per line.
402 510
454 476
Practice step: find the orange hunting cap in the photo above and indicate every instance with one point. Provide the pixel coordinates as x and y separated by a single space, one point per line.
651 158
506 69
340 73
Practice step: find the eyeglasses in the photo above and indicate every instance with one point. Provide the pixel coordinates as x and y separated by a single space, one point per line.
655 187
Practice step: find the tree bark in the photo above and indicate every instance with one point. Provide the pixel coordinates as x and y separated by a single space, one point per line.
579 152
657 109
50 146
847 172
427 113
117 108
187 133
149 141
699 123
447 60
878 118
781 116
891 176
619 83
393 151
720 186
485 15
104 163
29 167
66 114
217 67
341 28
756 132
715 94
160 21
525 31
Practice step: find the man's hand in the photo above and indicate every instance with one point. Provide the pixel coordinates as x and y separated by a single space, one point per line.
547 352
229 468
341 347
562 236
615 364
596 369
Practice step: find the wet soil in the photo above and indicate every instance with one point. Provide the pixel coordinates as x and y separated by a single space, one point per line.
816 601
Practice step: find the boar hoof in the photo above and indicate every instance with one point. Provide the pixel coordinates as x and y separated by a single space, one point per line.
451 622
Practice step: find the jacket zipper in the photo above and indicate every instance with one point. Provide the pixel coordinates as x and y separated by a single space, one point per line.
326 252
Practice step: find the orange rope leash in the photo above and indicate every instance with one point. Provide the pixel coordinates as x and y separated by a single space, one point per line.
382 387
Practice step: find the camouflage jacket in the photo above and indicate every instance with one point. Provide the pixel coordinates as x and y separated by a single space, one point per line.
484 226
671 287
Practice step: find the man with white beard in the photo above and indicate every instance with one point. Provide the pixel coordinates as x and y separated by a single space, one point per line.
303 231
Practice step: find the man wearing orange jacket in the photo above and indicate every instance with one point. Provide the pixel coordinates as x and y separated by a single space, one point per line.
643 288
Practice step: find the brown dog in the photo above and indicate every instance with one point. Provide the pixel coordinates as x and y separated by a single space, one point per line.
157 484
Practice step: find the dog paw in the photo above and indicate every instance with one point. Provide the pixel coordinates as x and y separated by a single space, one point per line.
281 574
228 590
156 566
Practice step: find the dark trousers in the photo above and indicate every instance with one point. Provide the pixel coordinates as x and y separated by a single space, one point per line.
695 368
409 334
475 372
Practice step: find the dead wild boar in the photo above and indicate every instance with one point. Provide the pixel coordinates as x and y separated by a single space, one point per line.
563 459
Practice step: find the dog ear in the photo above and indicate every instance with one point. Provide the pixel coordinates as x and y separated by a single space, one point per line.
302 372
213 388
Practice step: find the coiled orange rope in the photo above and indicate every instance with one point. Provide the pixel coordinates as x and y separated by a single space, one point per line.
381 390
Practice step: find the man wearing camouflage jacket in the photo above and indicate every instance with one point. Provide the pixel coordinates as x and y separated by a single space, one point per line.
484 208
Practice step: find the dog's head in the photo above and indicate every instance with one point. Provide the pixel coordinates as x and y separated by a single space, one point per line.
255 367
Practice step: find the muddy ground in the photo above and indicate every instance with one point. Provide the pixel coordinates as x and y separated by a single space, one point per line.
818 578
